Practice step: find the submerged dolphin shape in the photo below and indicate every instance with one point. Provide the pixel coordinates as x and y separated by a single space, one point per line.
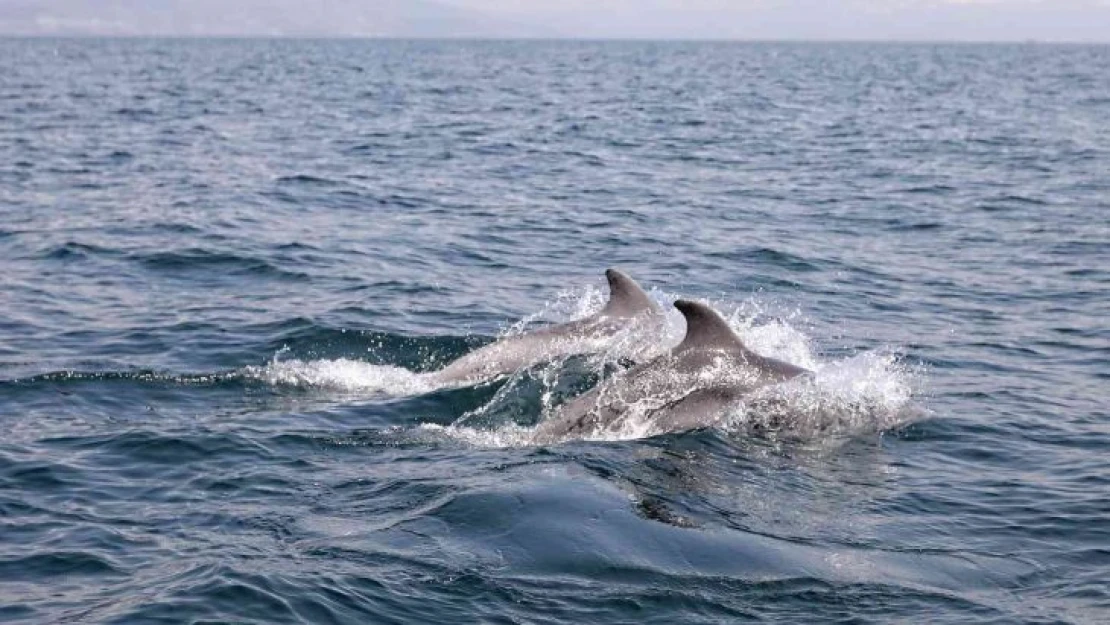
684 389
628 304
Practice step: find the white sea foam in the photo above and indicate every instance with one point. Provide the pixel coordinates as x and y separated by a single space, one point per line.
508 435
341 374
870 391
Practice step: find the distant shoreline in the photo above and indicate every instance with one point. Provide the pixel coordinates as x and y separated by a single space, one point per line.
474 39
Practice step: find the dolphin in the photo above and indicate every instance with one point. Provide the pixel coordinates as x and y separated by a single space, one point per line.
628 305
684 389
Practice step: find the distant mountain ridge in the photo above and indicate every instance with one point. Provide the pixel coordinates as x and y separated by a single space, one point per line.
806 20
354 18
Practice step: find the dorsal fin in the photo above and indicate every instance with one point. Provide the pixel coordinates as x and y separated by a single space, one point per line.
705 328
626 298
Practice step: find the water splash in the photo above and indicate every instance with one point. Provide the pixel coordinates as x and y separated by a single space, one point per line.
341 374
870 391
867 392
635 341
574 303
509 435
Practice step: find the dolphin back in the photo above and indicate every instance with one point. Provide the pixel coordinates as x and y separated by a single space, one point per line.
675 382
627 304
626 297
706 329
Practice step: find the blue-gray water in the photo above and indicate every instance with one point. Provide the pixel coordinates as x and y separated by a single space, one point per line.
220 257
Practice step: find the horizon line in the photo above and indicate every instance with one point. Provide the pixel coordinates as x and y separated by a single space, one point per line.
552 39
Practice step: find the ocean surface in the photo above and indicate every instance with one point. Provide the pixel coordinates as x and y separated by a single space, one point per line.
226 265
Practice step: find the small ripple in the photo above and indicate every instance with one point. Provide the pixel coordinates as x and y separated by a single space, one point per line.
152 448
768 256
145 376
917 227
57 564
306 180
75 250
135 113
195 260
38 476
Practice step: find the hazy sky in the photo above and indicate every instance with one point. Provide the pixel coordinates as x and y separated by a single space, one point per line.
961 20
1015 20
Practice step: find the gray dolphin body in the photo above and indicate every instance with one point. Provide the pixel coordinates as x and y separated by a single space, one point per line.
684 389
628 304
